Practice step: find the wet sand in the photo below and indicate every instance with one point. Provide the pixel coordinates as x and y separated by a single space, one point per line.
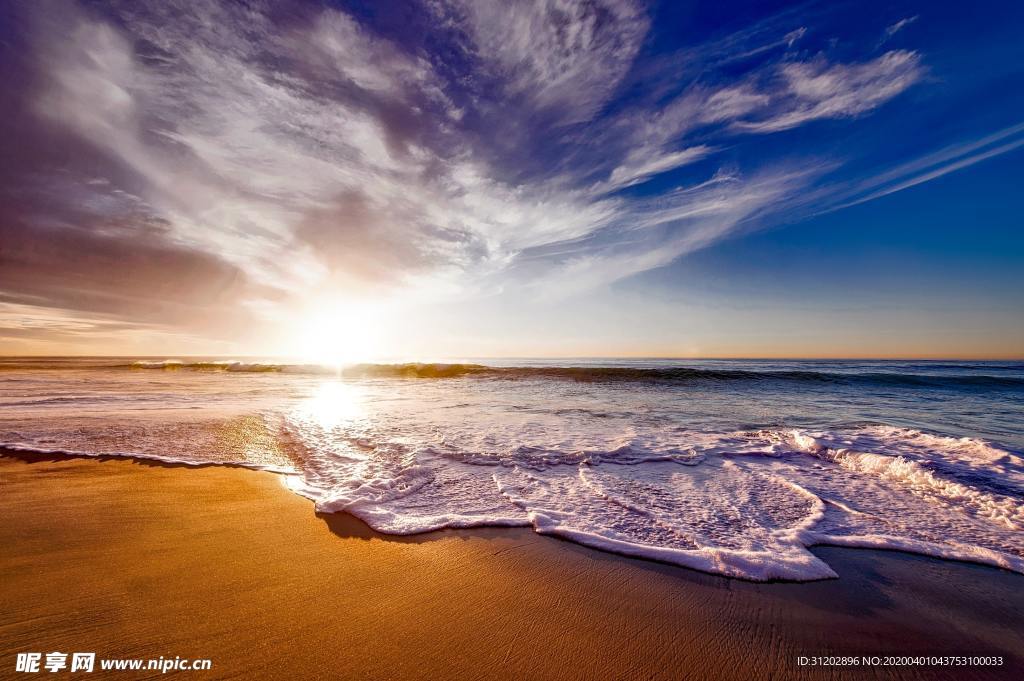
140 560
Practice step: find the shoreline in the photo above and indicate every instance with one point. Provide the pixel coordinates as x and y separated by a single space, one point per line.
28 454
133 559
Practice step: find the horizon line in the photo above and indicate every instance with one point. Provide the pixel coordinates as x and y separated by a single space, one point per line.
391 360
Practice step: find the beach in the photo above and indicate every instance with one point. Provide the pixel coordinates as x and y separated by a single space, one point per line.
141 559
538 340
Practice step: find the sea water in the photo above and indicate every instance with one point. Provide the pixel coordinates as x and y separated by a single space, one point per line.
727 466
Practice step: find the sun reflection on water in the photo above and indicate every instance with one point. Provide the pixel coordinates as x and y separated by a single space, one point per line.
333 403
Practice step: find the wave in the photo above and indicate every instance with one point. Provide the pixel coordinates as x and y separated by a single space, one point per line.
744 504
414 370
235 366
202 365
675 375
33 452
994 376
918 476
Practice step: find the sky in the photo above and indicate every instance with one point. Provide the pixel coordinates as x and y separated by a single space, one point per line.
445 178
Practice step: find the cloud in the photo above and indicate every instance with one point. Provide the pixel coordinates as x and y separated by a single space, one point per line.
205 165
794 94
930 167
795 35
809 91
642 164
893 29
660 230
346 52
563 56
129 270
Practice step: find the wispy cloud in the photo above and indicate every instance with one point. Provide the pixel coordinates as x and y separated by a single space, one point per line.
657 231
645 163
814 90
267 152
930 167
564 57
795 35
895 28
784 96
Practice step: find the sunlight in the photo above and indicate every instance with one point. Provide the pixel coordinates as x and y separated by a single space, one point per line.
333 403
337 334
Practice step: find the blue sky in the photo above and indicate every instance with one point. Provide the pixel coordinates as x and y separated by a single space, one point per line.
448 178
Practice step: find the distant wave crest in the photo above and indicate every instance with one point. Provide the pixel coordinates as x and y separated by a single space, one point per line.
987 378
671 375
236 366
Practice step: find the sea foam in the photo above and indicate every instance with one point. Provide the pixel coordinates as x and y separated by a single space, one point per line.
747 511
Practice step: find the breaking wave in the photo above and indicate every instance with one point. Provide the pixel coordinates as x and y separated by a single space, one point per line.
672 375
742 504
927 375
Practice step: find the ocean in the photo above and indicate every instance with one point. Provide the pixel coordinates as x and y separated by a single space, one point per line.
732 467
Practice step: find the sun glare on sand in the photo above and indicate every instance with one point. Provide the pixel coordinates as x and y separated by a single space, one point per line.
340 334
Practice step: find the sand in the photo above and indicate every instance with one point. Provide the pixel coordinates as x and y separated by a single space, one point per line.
139 560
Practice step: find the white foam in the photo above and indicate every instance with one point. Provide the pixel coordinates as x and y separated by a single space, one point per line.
682 515
746 504
142 456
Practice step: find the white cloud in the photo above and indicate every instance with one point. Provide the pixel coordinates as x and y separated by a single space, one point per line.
893 29
793 36
659 231
642 165
801 92
366 61
567 56
817 90
930 167
323 155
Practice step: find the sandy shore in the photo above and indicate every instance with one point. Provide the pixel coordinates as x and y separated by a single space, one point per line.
136 560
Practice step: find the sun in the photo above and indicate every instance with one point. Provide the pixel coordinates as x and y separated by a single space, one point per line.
338 334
